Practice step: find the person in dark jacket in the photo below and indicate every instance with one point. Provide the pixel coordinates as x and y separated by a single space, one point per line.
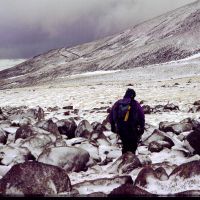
131 128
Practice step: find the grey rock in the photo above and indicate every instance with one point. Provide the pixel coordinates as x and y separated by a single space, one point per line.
34 178
155 147
84 129
72 159
67 127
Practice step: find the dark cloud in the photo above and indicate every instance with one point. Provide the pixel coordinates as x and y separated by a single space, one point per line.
30 27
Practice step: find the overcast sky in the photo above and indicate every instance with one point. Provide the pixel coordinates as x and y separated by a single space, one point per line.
31 27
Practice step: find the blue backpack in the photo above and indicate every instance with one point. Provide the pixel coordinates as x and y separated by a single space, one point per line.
122 112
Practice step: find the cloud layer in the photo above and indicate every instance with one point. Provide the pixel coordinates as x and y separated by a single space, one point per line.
35 26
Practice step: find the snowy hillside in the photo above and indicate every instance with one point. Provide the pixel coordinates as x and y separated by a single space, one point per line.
7 63
172 36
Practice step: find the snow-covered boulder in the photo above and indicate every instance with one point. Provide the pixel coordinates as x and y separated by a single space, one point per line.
91 148
12 155
72 159
158 135
34 178
187 170
84 129
67 127
102 184
106 123
155 147
36 143
21 117
176 128
171 107
49 126
98 127
149 173
125 164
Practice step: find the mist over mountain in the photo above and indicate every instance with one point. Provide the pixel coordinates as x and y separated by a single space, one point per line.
169 37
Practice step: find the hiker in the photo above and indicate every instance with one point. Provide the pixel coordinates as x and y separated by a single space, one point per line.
128 121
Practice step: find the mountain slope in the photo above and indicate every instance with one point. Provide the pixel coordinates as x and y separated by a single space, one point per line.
172 36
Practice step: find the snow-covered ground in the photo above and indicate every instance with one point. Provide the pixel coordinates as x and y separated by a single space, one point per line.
7 63
174 82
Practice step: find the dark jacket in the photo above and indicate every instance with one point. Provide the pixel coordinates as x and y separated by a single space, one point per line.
136 118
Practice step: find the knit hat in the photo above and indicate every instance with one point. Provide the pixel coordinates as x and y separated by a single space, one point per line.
130 93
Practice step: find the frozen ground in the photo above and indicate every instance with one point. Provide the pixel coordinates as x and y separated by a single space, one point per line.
175 82
154 84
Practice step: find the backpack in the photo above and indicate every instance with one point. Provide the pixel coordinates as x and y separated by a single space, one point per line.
122 112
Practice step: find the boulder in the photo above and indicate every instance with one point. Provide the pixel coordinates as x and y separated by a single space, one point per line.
26 117
36 143
155 147
98 127
96 194
125 163
195 124
98 185
72 159
49 126
18 120
129 190
67 127
3 136
106 123
84 129
24 132
147 109
197 103
193 139
171 107
12 155
91 148
148 172
161 174
158 108
158 136
194 109
176 128
68 107
188 193
187 170
34 178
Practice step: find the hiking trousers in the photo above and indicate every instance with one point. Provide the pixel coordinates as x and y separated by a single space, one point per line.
129 142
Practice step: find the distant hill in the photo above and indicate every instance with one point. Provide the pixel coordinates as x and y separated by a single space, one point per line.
172 36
